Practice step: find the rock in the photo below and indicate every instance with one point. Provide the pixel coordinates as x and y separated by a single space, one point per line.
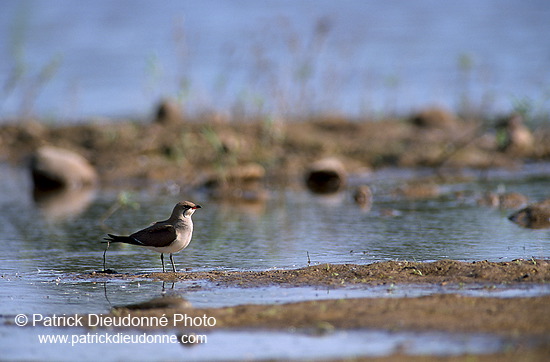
534 216
168 112
243 183
32 131
515 137
229 143
246 173
238 175
434 118
418 191
326 176
512 200
363 197
509 200
55 168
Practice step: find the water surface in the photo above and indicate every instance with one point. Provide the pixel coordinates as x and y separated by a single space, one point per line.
256 346
44 251
63 60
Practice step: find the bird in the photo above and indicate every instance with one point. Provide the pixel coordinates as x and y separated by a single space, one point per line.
168 236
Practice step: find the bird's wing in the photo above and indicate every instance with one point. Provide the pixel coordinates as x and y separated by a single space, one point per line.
156 235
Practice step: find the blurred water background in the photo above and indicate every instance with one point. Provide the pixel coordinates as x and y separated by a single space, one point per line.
62 60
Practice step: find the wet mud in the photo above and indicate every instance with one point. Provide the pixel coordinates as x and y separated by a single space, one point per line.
438 272
453 313
450 313
525 322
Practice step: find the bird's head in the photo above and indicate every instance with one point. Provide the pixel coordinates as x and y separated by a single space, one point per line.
185 209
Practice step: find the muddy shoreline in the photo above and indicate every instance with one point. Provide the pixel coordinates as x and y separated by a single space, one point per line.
438 272
524 322
195 152
446 312
511 317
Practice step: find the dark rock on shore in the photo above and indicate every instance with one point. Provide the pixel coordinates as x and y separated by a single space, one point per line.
534 216
326 176
168 112
54 168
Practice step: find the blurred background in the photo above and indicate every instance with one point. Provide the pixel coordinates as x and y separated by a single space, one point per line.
68 61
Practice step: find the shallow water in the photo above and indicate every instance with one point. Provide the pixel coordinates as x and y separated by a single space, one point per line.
44 250
220 346
280 233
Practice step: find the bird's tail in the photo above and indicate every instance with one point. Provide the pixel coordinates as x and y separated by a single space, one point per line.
118 239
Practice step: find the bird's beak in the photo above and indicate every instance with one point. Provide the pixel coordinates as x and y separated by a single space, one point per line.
196 207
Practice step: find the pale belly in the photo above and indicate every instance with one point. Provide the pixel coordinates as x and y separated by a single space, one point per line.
179 244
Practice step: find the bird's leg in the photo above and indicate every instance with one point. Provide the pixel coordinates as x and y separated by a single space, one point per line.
173 265
104 256
162 261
